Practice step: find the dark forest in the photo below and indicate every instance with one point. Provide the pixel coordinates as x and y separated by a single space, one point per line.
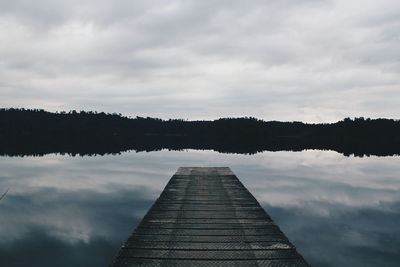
38 132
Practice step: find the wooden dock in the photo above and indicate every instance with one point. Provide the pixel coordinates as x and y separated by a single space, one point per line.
206 217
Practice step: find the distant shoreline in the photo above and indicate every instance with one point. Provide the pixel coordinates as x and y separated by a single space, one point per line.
38 132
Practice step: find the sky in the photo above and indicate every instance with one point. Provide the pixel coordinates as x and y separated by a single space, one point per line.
289 60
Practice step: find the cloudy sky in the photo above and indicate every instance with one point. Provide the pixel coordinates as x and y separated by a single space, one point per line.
309 60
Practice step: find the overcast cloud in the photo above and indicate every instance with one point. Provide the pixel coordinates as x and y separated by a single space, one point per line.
309 60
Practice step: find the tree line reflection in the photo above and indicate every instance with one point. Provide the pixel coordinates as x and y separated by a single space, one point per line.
38 132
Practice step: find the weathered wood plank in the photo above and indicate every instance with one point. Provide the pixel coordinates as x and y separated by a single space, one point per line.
206 217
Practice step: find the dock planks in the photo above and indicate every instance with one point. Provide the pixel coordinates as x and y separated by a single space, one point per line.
206 217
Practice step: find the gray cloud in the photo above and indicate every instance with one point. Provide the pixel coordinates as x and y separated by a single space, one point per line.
287 60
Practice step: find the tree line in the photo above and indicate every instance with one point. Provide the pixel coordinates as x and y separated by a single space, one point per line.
38 132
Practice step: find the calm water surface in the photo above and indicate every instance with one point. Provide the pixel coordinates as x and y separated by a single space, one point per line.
77 211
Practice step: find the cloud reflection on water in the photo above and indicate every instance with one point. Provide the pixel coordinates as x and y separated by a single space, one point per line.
76 211
348 236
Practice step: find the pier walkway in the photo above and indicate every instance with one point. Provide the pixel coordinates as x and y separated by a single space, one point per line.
206 217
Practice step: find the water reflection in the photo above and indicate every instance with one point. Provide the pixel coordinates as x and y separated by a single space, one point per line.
77 211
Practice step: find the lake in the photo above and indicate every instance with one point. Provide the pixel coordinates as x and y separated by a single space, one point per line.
77 211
